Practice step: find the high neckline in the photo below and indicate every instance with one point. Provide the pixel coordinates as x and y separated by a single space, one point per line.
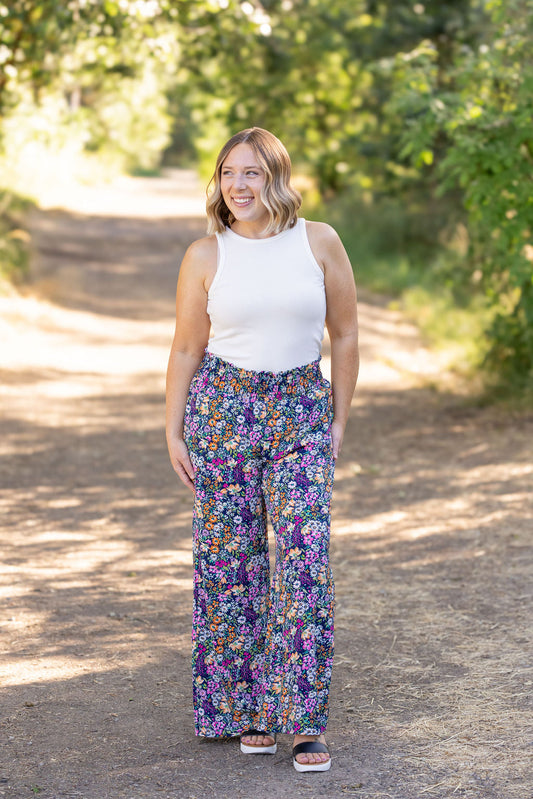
275 237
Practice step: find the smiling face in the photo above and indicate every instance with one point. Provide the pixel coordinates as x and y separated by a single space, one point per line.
241 180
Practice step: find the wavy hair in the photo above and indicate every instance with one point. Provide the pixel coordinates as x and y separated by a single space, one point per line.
280 199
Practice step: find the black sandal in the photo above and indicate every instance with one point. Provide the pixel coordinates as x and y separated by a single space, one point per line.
309 748
251 749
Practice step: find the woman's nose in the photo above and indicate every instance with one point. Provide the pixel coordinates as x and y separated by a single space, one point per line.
240 181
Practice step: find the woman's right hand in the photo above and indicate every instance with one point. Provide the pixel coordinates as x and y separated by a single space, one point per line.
181 462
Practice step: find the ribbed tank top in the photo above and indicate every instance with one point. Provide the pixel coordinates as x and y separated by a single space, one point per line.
267 301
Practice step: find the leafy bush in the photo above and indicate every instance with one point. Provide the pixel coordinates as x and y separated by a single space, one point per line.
14 238
479 122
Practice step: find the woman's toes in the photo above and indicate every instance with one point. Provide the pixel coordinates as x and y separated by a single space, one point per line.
311 758
258 740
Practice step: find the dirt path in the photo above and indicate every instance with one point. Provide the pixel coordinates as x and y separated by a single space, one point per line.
433 522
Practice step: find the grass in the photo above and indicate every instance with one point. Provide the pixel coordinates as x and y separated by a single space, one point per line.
457 330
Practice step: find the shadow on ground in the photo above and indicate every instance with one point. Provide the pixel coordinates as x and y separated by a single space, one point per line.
430 549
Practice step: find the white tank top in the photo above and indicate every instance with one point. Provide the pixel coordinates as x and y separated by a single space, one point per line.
267 301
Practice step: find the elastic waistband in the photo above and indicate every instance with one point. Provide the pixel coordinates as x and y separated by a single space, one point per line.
214 364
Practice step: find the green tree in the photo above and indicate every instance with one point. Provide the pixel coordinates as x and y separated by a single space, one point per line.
479 123
424 106
104 66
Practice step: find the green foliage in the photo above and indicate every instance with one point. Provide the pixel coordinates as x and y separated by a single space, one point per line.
423 107
31 33
483 116
318 73
82 95
416 116
36 36
426 280
14 238
105 67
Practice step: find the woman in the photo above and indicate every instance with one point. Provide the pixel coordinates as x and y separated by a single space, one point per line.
253 427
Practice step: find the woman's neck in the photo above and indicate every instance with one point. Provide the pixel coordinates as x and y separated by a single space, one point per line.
250 230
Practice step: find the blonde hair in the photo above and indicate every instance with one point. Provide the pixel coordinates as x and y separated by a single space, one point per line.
280 199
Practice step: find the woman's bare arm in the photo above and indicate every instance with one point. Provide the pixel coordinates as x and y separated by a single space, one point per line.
341 322
190 340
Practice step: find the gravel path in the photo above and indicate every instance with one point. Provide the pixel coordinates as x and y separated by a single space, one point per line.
431 547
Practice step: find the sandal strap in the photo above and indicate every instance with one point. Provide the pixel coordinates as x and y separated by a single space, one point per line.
309 748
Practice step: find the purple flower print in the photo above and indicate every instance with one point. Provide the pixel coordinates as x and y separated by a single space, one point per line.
303 685
199 599
297 537
238 475
209 709
245 674
249 416
242 574
302 481
246 515
298 643
307 402
201 667
270 446
305 579
250 614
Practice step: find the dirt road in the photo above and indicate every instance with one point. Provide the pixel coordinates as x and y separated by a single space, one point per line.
431 547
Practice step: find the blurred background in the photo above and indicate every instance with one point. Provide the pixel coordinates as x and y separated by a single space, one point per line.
410 129
409 125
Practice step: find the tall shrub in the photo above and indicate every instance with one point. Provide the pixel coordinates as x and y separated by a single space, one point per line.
478 126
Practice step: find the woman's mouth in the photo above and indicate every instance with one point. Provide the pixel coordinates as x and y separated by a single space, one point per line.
241 202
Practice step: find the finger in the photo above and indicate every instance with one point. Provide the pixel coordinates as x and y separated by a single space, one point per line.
189 468
187 482
334 444
186 478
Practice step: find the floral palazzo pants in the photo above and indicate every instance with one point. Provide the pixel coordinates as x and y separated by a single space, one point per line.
262 650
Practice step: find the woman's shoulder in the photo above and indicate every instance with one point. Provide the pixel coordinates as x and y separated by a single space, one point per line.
203 249
324 242
199 263
321 233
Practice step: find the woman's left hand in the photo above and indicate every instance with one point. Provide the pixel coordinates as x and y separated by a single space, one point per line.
337 434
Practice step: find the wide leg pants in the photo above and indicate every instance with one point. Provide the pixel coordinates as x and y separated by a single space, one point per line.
262 649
